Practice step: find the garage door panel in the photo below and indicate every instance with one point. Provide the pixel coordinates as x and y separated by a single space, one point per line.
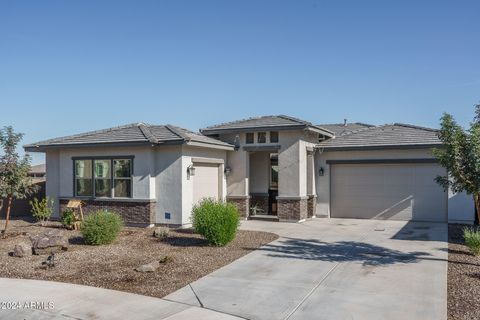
205 182
387 191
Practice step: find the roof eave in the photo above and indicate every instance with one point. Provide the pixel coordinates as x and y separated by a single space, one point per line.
220 146
43 148
380 147
207 131
322 131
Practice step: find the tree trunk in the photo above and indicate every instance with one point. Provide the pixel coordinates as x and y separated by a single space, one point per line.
476 198
7 216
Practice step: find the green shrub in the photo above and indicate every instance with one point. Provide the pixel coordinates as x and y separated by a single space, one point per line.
472 239
68 218
216 221
101 227
42 210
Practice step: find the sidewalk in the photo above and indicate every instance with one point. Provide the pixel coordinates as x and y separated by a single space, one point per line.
40 300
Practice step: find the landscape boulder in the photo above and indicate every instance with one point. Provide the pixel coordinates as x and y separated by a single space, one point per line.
51 241
161 232
149 267
22 249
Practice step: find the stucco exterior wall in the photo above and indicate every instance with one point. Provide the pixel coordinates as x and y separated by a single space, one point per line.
189 152
60 170
168 184
52 188
159 174
292 161
259 172
460 206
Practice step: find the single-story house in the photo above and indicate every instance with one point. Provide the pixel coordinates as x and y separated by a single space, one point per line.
272 167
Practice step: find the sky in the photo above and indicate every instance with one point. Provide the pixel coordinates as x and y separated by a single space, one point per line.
68 67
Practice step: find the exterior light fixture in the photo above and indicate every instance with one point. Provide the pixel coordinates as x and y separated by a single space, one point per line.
321 172
227 171
191 170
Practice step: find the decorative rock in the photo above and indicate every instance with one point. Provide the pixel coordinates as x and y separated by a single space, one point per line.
161 232
49 242
149 267
22 249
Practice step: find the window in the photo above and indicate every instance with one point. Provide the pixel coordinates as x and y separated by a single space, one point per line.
273 136
249 138
83 177
274 171
122 178
103 178
262 137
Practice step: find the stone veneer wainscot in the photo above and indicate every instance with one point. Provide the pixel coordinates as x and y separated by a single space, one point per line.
133 212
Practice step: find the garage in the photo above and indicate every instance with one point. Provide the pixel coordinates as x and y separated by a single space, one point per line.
395 191
205 181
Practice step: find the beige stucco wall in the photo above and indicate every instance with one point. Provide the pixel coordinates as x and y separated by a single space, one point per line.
292 161
189 152
159 173
168 173
60 170
52 188
259 172
460 206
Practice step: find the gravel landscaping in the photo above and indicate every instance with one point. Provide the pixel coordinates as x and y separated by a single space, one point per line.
185 257
463 277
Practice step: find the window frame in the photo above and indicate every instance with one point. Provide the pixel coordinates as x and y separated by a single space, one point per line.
122 178
270 136
112 178
246 138
264 133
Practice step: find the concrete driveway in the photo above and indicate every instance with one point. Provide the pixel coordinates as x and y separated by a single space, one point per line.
333 269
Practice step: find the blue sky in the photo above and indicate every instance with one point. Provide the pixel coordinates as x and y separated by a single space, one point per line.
71 66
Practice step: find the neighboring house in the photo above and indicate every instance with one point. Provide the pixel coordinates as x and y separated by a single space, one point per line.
38 173
286 168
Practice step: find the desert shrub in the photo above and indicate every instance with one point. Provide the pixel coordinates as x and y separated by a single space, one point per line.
68 218
472 239
166 259
161 232
216 221
42 210
101 227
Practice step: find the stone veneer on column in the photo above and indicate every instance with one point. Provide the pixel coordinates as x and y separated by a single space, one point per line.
132 212
311 206
292 209
242 203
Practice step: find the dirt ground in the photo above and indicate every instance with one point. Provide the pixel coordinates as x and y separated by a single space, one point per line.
112 266
463 277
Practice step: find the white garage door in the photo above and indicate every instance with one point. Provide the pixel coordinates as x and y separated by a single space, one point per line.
388 191
205 182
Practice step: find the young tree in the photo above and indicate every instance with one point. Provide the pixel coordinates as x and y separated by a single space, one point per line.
14 180
460 155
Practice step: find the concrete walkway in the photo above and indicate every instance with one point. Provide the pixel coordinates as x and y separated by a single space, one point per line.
333 269
39 300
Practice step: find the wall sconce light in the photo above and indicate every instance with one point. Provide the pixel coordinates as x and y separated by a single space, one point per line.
227 171
191 170
321 172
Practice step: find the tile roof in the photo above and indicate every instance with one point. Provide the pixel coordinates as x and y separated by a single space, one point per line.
341 129
39 168
262 123
135 133
389 135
